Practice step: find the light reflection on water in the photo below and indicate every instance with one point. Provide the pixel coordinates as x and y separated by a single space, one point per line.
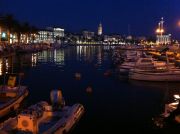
56 57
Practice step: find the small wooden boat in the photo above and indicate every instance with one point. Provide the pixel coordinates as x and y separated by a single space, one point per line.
11 96
43 118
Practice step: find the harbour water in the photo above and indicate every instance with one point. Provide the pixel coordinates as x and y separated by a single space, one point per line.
112 106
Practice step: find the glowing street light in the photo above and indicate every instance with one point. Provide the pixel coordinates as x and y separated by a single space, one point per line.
179 23
160 29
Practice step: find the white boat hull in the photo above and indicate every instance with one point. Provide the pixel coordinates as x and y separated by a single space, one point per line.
173 76
125 68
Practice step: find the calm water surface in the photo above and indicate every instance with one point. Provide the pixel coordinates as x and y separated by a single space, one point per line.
113 106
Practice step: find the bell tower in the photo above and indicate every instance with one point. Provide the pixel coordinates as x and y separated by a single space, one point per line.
100 29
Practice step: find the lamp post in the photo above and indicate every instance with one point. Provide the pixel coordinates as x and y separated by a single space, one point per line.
179 23
160 30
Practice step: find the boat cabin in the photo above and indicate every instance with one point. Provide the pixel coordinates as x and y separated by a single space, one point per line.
150 64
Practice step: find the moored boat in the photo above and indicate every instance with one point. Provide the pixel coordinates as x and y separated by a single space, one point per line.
156 75
11 96
142 63
43 118
149 70
125 67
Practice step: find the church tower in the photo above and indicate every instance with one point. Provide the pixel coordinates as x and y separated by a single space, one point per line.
100 29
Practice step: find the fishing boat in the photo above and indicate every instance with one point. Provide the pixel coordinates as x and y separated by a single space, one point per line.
43 118
11 95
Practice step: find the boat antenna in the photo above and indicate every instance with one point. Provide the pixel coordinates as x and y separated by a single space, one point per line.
167 59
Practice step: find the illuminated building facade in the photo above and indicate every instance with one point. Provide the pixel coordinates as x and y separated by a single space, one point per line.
58 32
50 35
88 35
163 39
45 36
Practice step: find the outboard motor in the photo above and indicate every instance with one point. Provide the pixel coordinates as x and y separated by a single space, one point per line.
28 119
57 99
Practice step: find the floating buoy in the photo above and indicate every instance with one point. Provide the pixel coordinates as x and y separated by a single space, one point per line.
78 76
89 89
108 73
96 65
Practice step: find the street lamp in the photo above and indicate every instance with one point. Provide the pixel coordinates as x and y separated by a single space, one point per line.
160 31
179 23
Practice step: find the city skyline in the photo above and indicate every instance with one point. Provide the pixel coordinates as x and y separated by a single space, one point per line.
137 17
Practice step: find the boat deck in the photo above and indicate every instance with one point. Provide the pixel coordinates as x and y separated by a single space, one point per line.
48 123
4 100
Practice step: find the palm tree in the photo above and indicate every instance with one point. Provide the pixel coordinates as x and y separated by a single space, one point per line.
18 30
9 25
33 31
26 30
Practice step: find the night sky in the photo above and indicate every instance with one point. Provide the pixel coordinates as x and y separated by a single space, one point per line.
115 15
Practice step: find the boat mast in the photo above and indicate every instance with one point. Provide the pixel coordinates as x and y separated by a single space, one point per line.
167 60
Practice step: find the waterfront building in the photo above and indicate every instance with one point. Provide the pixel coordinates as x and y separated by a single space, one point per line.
58 32
45 36
50 35
88 35
13 38
163 39
100 29
113 39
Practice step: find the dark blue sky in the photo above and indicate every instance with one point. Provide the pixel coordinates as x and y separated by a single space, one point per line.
115 15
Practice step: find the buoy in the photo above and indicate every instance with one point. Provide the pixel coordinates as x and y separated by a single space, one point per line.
108 73
78 76
96 65
89 89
